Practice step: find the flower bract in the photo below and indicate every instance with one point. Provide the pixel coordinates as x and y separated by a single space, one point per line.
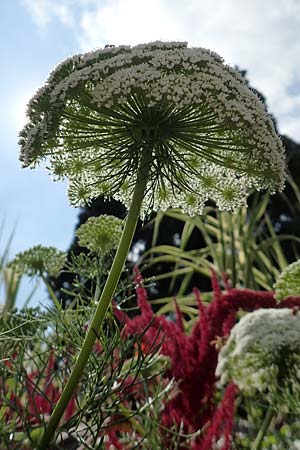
208 134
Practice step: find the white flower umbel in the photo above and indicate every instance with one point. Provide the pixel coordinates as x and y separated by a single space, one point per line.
208 135
288 282
263 353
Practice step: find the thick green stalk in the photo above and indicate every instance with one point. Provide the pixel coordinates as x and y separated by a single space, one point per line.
105 299
263 429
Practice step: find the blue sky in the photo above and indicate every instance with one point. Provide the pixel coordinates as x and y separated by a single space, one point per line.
262 37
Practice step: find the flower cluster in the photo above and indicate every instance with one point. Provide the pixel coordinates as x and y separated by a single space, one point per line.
194 356
39 261
288 283
208 135
262 352
100 234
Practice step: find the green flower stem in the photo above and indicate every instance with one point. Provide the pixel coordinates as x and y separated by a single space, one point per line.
51 293
130 417
263 429
105 299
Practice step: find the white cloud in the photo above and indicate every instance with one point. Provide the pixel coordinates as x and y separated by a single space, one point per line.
262 37
44 11
17 106
129 22
17 111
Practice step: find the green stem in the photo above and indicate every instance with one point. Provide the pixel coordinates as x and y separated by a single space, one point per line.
51 293
232 251
105 299
129 416
263 429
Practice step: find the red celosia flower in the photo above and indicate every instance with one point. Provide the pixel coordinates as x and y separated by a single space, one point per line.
113 442
179 318
194 357
221 424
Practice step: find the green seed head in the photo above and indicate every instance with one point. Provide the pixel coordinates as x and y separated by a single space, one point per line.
39 261
100 234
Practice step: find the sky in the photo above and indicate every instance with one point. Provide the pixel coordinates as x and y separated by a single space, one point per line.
260 36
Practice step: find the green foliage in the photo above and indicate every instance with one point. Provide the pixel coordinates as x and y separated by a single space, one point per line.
9 278
37 354
243 245
283 432
122 386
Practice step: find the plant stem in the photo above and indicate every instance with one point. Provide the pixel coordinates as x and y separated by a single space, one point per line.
105 299
51 293
263 429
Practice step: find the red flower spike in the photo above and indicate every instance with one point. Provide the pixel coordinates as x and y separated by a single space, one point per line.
290 302
113 442
142 296
215 285
201 329
194 357
118 313
229 322
179 317
222 422
226 282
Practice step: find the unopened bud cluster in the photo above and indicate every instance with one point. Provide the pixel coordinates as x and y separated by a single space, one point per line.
39 261
100 234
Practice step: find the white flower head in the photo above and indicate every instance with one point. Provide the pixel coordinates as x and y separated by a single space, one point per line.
288 283
263 353
208 135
